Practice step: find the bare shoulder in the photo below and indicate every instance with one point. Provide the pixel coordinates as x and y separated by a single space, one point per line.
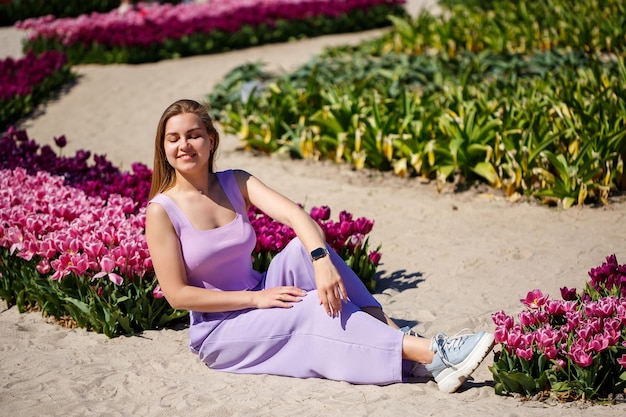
155 209
155 212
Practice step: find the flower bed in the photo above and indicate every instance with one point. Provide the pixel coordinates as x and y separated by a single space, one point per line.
12 11
574 348
507 94
151 33
99 179
26 82
74 244
78 256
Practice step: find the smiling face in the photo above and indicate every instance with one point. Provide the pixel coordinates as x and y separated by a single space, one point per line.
187 144
166 151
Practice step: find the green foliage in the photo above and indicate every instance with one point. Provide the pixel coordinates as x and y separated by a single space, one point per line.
542 121
523 26
360 262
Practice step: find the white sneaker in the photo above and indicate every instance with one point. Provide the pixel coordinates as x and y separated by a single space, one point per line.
457 357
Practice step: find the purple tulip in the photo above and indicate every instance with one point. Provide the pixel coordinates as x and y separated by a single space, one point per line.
320 213
568 294
61 141
19 77
374 257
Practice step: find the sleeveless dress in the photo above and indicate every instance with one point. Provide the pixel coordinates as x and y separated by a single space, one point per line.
302 341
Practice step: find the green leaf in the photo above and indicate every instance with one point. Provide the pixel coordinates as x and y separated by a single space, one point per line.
518 382
486 171
83 307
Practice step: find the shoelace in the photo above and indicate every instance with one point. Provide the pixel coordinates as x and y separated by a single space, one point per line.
443 344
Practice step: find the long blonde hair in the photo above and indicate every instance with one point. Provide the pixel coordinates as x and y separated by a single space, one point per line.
163 175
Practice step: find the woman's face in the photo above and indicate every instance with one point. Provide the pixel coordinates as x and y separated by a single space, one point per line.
187 143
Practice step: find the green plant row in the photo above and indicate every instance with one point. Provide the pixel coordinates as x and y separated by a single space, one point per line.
552 125
102 306
219 41
523 26
545 120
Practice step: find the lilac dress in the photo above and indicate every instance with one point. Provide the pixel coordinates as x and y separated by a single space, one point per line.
302 341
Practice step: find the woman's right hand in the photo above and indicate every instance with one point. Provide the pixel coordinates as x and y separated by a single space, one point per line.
282 297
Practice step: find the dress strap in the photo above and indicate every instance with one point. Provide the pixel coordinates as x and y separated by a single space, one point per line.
233 192
177 217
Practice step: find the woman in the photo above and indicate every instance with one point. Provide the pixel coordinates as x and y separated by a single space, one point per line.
309 315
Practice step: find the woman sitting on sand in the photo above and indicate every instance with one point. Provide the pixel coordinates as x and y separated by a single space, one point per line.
309 315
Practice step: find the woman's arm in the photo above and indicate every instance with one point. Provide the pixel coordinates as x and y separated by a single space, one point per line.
164 247
328 281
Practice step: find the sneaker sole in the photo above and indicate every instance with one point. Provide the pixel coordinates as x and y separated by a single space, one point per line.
451 379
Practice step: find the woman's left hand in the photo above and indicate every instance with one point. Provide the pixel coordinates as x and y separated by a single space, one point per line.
330 288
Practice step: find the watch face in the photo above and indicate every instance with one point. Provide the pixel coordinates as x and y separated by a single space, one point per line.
319 253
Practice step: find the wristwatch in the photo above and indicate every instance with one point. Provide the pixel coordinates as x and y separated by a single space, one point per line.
318 253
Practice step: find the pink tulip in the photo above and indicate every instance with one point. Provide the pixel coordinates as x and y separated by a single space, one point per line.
551 352
526 353
515 337
534 299
107 264
157 292
527 318
599 343
547 337
574 318
585 332
559 364
43 266
94 248
555 307
79 264
115 278
16 239
47 249
581 358
501 334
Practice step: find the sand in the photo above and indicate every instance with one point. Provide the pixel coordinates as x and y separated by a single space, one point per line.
449 261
